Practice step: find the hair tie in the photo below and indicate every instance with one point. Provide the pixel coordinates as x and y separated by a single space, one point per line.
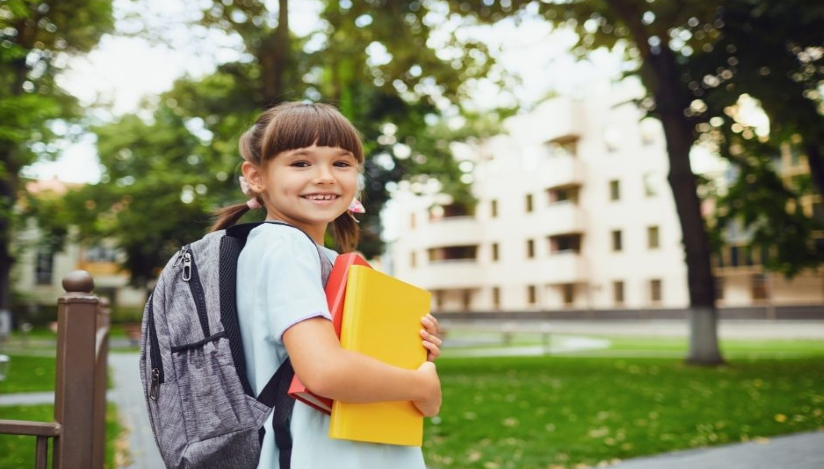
253 202
356 206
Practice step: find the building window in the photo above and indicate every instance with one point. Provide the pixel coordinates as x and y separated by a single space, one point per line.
652 237
531 294
411 221
438 299
655 290
568 293
563 147
530 249
564 194
565 243
650 185
528 203
758 287
413 259
615 190
494 252
618 292
493 208
44 266
467 300
617 245
496 298
100 254
734 256
453 253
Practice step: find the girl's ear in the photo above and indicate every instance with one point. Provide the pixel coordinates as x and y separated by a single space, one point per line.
254 176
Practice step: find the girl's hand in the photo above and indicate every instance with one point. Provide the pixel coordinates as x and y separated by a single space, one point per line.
430 336
430 405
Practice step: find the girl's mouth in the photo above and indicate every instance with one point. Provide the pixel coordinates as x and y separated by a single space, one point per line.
321 198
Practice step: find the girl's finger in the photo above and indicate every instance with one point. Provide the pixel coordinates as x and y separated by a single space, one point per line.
434 351
426 335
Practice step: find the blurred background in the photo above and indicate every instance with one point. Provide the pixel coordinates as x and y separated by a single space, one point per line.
595 193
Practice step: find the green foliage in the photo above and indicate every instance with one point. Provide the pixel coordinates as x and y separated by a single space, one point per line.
29 374
563 411
36 37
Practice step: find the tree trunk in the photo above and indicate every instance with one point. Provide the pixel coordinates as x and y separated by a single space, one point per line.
8 189
814 161
274 58
670 107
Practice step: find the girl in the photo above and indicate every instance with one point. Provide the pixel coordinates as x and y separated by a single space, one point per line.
301 164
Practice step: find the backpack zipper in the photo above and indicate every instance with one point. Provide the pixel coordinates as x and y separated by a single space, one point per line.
191 276
154 354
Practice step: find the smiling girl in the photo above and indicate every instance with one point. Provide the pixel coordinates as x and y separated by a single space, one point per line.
301 164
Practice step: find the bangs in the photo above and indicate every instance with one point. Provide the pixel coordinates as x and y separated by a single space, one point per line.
300 125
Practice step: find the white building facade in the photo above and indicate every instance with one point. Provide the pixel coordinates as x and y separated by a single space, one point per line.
574 213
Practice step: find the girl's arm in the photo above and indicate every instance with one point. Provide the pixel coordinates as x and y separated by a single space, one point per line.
331 371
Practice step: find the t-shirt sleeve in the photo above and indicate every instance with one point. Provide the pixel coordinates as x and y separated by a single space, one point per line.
291 278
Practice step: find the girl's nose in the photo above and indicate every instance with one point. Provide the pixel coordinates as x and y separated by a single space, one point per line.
324 175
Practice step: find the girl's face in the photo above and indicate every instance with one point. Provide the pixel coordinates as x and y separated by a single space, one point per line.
308 187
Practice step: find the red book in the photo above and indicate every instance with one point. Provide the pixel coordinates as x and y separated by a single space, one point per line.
335 296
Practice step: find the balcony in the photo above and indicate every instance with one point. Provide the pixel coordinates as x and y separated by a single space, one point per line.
447 274
567 119
449 231
562 217
563 267
562 170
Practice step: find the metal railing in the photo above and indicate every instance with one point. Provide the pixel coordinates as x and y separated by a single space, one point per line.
79 426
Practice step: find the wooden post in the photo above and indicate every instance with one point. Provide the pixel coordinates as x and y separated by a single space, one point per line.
74 390
101 361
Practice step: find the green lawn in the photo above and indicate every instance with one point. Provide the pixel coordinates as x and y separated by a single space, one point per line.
29 374
18 451
539 412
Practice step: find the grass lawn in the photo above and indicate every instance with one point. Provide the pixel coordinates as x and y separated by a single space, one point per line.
558 412
18 451
29 374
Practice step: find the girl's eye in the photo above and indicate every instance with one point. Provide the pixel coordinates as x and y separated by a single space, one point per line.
300 164
343 164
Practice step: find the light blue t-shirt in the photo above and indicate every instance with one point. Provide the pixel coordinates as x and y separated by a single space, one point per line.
278 286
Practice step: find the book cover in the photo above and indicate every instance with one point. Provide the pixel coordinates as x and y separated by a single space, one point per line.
382 319
335 297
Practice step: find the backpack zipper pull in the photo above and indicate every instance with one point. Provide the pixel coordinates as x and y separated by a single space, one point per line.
180 254
155 384
187 266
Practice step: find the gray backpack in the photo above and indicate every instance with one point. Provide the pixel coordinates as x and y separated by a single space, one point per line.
202 409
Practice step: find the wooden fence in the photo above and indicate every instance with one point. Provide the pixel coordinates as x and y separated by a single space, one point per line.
78 433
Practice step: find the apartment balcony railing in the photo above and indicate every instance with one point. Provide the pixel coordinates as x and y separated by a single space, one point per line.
446 274
449 231
563 217
562 170
563 267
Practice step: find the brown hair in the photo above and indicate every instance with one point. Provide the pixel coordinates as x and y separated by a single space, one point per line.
290 126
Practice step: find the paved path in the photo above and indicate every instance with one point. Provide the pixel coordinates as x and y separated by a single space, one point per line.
27 398
128 395
801 451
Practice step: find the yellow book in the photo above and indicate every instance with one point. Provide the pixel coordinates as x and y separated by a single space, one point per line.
382 319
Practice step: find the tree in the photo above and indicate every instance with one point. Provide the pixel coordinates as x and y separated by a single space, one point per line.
153 169
35 39
667 40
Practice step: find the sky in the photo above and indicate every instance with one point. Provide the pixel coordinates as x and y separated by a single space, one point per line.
126 67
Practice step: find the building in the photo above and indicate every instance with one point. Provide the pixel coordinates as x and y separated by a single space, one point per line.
574 212
38 271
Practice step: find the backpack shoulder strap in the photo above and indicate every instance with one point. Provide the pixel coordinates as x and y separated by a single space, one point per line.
274 394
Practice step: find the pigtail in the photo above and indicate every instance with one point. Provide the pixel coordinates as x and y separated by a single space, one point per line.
228 216
346 232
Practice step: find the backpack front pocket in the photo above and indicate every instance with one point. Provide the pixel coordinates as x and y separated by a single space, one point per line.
213 400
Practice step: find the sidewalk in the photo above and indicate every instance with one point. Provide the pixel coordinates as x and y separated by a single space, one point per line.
800 451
